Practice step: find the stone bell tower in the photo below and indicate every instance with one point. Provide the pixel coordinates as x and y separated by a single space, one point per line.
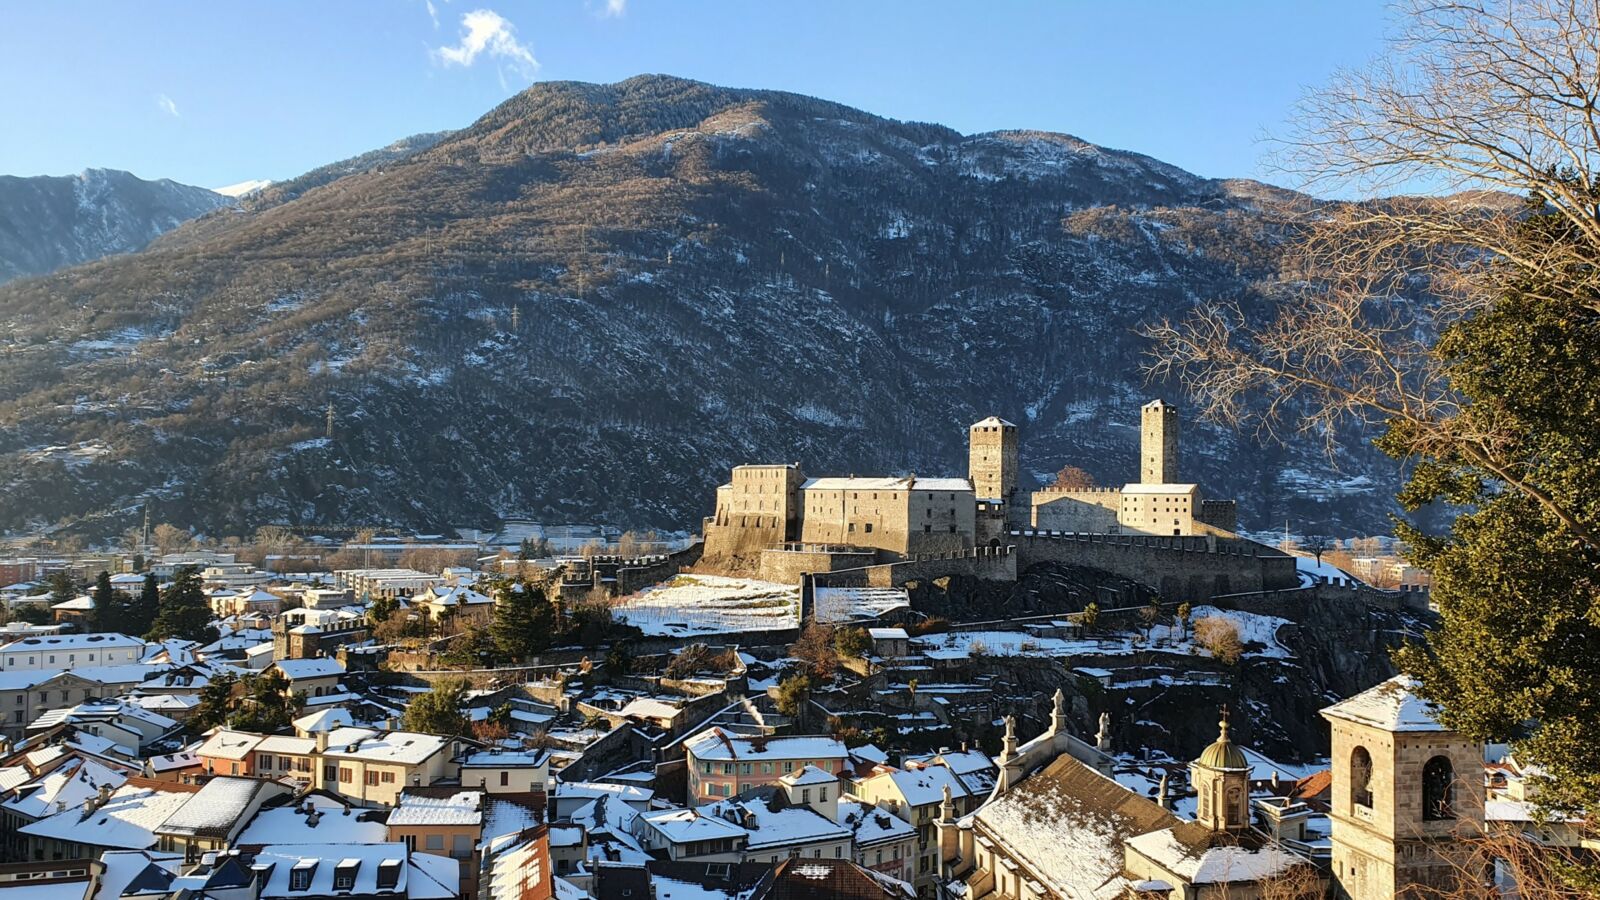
992 459
1221 779
1406 792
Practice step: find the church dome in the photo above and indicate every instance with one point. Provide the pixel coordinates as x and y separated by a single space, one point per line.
1222 754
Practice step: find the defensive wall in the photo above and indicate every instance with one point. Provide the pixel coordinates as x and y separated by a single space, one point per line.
984 563
1179 568
786 564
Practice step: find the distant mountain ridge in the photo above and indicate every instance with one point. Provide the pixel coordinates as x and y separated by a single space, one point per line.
594 300
49 222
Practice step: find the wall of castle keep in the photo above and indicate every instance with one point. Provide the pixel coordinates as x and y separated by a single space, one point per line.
1092 509
1178 568
759 507
785 566
984 563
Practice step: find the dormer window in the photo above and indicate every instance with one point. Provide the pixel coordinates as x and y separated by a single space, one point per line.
300 876
344 874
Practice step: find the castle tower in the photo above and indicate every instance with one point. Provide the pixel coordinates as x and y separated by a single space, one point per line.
1405 792
992 459
1158 443
1221 780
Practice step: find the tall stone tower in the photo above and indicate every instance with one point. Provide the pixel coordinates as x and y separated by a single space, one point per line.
992 459
1221 780
1406 792
1158 443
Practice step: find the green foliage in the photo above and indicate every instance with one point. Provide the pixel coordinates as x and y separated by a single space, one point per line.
852 642
216 703
619 659
474 648
183 611
524 620
439 710
267 704
142 610
32 614
1516 655
793 692
109 605
62 588
382 608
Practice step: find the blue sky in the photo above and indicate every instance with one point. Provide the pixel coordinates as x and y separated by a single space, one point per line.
216 93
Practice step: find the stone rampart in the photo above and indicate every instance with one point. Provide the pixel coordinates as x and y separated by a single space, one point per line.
1179 568
984 563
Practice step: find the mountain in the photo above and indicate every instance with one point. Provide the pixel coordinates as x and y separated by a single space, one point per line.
243 188
594 300
50 222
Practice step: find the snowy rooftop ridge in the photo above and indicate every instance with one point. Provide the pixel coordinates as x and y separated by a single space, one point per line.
1391 706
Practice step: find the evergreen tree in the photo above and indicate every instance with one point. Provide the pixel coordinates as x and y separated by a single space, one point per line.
109 613
216 703
183 612
62 588
1516 655
141 610
523 620
439 710
267 704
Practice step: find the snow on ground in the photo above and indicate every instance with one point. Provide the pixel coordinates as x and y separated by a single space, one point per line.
711 604
1257 632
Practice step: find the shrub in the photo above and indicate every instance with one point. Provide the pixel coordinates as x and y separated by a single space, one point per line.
1220 636
852 642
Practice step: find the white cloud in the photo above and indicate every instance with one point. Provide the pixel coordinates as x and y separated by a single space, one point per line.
165 104
486 33
433 12
615 8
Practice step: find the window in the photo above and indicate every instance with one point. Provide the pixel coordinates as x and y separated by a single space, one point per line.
372 778
264 761
822 796
1438 790
1361 777
435 842
345 776
505 778
388 778
805 795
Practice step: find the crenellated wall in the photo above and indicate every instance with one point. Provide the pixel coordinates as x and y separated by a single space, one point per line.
1179 568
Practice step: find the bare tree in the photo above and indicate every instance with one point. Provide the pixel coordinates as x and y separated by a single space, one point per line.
1316 545
170 538
1481 97
1072 478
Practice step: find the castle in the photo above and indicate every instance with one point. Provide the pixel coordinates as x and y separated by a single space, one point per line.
764 507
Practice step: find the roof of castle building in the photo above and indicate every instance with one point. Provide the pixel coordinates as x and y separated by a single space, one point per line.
1142 488
886 483
993 421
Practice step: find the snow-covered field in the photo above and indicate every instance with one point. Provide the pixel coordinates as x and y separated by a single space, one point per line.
1257 632
711 604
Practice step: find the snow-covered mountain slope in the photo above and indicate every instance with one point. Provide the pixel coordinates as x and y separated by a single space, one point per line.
51 222
243 188
593 301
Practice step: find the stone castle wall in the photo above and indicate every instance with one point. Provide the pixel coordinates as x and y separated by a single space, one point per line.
1091 509
1179 568
786 565
985 563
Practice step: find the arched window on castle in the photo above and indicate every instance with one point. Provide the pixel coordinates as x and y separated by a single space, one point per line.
1361 777
1438 789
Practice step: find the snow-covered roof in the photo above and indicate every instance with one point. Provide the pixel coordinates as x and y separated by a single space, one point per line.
649 708
808 776
888 634
127 821
217 808
589 790
923 787
405 747
993 421
770 827
1139 488
716 745
681 826
460 808
335 824
418 876
225 744
504 758
123 866
1390 706
58 642
1199 863
322 667
885 483
872 824
324 720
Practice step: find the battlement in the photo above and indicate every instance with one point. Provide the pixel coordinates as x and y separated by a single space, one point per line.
1177 567
1052 489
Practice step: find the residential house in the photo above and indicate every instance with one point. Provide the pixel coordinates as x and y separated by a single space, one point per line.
500 770
372 767
214 816
65 651
724 765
